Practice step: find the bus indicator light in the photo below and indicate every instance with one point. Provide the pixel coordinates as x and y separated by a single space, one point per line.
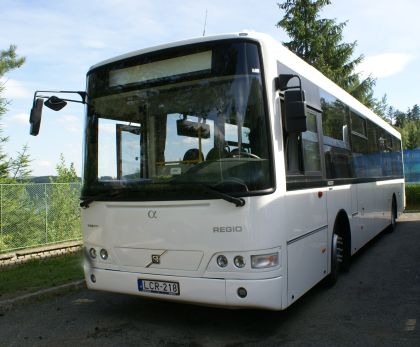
263 261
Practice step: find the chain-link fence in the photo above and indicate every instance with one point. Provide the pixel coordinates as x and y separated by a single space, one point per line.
38 214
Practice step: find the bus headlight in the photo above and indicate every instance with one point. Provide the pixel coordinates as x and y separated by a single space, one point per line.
263 261
239 261
104 254
92 253
222 261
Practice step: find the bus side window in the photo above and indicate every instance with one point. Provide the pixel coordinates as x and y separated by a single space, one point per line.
292 153
291 148
310 144
335 125
302 149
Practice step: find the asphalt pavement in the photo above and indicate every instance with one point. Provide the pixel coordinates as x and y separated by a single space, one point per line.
377 303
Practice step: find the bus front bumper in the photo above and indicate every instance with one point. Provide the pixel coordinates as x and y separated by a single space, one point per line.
261 293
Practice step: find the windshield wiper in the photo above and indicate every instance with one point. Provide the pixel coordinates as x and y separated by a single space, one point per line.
239 202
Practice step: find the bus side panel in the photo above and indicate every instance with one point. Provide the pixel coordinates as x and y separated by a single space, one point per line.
363 233
307 251
340 198
383 206
306 263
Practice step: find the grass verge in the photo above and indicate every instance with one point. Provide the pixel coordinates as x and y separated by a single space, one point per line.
412 197
40 274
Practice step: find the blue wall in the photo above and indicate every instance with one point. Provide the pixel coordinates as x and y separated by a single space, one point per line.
412 165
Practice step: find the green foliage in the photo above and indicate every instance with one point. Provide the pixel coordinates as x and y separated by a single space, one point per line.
407 123
318 41
65 174
10 168
9 60
63 213
412 196
36 214
22 222
380 107
20 166
410 135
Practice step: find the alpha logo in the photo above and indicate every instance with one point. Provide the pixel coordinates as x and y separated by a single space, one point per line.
228 229
152 214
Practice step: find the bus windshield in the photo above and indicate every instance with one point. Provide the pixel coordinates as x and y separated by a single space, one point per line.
165 125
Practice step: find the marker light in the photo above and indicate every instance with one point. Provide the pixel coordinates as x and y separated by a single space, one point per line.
222 261
104 254
239 261
92 253
262 261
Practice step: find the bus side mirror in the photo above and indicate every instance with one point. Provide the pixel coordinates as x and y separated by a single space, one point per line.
35 117
54 103
295 111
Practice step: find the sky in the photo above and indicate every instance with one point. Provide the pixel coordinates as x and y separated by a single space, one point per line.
61 40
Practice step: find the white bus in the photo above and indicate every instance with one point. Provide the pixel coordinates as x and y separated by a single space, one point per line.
226 171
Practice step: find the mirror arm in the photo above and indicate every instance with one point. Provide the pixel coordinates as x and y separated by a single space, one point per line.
283 79
82 94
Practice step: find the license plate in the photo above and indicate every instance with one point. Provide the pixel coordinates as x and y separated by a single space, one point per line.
159 287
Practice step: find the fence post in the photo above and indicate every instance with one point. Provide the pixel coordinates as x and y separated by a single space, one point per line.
1 209
46 213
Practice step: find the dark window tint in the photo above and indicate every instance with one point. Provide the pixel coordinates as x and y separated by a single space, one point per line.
311 156
376 155
358 124
335 126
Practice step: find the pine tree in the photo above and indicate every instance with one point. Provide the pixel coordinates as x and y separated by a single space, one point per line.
8 62
19 168
318 41
65 174
413 113
411 139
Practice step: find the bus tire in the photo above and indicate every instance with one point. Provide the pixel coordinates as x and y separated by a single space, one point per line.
336 258
340 248
393 224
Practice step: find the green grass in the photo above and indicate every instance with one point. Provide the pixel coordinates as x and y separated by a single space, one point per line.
39 274
412 197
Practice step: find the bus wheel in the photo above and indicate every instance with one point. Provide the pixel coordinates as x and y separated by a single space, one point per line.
393 224
337 251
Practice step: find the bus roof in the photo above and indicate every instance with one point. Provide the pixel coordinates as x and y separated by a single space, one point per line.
244 34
